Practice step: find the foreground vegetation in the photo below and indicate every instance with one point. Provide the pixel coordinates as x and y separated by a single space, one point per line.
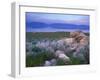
42 46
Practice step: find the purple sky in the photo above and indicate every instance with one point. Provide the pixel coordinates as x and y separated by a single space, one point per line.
48 18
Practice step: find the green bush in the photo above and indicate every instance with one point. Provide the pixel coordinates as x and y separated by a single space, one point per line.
38 59
60 62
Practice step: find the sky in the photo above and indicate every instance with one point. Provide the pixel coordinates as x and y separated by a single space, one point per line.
52 22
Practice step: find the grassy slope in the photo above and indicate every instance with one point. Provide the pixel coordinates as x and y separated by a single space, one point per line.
48 35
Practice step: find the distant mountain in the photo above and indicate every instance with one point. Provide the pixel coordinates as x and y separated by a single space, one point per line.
36 25
69 26
54 26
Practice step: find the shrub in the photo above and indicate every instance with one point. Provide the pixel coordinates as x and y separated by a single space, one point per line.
38 59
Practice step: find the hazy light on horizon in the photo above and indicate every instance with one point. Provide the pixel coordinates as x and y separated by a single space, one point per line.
52 18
